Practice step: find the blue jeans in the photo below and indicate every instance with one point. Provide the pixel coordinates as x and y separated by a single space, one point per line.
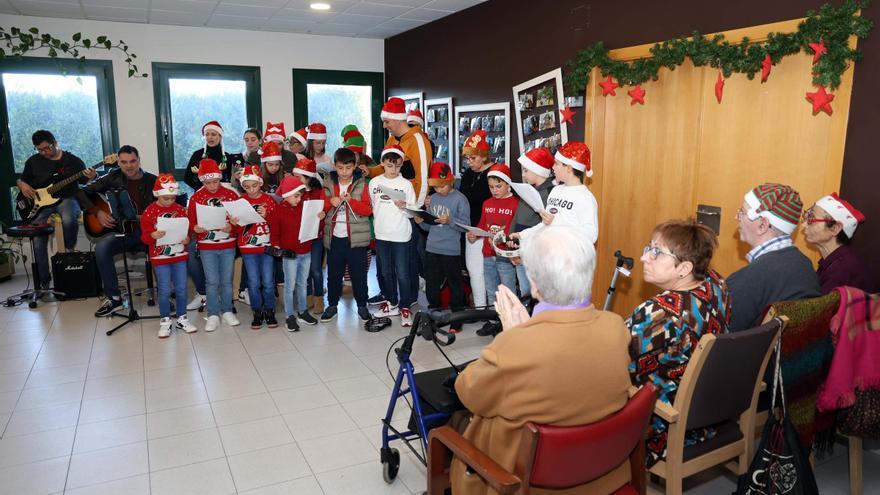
340 254
396 263
260 269
525 288
105 250
195 268
69 210
498 271
218 265
296 275
417 250
316 269
165 275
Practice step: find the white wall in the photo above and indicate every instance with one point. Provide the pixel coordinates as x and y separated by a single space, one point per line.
275 53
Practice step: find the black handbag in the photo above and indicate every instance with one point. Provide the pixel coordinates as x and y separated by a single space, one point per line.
780 466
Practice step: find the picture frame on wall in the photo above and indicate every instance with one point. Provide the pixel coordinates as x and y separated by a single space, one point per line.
439 128
537 103
494 118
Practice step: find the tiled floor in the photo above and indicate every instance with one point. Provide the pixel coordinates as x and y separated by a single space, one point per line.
234 411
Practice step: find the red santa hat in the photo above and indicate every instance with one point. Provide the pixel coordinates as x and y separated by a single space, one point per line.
393 149
843 212
208 169
393 109
415 117
576 155
307 167
318 131
251 172
538 161
216 127
166 185
500 171
301 135
476 144
289 186
440 174
274 132
778 203
270 152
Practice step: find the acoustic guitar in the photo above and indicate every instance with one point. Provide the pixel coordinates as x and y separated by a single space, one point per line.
28 208
92 225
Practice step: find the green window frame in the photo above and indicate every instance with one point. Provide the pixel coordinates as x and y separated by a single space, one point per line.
376 80
163 71
102 70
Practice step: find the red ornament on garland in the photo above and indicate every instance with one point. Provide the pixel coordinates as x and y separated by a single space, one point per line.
719 87
818 49
821 100
567 114
608 87
765 67
637 95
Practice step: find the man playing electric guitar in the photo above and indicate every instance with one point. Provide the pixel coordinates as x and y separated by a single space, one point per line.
40 168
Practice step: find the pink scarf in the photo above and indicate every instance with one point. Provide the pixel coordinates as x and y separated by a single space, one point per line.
855 330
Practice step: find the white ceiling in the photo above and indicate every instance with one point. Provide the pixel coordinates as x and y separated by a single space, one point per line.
353 18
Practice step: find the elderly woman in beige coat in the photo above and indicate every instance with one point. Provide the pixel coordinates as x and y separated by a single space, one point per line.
565 365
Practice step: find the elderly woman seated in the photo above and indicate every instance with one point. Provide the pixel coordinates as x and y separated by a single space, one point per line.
565 365
667 327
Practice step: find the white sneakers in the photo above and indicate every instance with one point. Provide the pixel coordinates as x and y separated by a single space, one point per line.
196 303
184 324
406 317
230 319
244 297
213 323
164 327
386 309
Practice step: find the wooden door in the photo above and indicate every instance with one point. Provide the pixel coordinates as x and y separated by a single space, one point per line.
682 148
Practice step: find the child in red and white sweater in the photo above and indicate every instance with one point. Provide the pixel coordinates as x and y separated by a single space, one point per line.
252 242
169 261
216 247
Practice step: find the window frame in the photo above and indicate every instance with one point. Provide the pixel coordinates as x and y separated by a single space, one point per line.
102 70
303 77
163 71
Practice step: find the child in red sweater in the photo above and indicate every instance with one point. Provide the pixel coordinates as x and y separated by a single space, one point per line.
284 225
252 242
498 212
216 247
169 261
306 170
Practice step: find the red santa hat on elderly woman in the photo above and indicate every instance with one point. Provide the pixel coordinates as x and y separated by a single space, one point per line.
216 127
538 161
843 212
576 155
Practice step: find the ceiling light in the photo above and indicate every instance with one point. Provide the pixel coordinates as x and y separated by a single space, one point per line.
320 6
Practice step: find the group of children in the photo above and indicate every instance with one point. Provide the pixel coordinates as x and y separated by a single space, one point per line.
355 211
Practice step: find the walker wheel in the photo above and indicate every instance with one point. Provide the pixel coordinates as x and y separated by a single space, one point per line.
32 304
391 466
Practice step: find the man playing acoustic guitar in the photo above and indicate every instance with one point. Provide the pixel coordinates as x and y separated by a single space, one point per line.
50 162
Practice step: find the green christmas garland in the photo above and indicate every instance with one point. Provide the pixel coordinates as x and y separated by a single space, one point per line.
831 26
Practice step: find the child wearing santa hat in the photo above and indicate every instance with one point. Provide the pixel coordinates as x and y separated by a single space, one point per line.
216 247
169 260
306 171
537 167
316 147
252 242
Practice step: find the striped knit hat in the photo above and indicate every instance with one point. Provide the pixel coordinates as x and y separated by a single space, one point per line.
778 203
353 139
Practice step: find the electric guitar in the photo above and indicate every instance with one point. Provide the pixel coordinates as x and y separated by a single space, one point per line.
28 208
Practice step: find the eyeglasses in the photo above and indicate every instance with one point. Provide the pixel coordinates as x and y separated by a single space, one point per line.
655 252
470 158
45 149
810 218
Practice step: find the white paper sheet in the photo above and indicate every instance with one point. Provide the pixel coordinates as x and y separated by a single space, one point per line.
176 230
394 194
476 230
529 194
243 211
308 227
210 217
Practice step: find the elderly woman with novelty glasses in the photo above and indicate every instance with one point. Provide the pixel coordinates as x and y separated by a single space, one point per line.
667 327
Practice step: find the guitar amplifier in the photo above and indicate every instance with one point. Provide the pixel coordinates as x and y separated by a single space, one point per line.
76 274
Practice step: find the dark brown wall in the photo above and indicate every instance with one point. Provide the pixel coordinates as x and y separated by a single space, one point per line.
479 54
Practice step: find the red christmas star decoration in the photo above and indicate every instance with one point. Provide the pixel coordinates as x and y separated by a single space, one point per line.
821 100
766 64
818 49
637 95
719 87
608 87
567 114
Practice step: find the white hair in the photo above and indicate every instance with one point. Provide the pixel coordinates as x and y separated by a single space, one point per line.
560 262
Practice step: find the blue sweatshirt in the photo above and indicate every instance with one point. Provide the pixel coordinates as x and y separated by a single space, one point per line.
446 239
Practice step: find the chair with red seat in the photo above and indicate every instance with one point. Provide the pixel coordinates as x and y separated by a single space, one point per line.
554 457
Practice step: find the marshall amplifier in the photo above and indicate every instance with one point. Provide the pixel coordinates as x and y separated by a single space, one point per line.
76 274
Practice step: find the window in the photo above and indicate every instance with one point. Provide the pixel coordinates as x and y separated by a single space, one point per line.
339 98
37 95
188 96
